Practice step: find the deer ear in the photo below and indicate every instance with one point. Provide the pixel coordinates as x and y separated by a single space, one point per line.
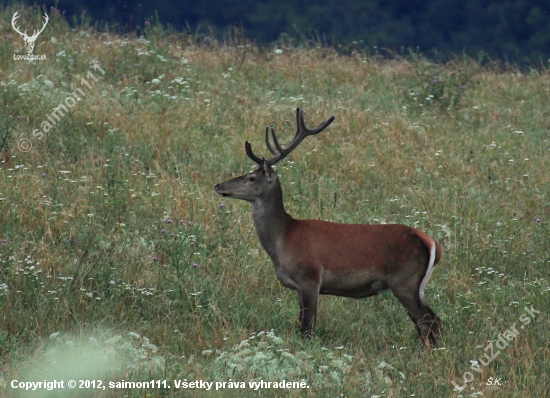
267 170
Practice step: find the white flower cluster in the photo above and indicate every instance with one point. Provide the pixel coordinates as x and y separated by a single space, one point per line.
263 356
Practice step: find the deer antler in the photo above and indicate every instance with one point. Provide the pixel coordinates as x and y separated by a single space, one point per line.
43 26
279 152
13 19
24 34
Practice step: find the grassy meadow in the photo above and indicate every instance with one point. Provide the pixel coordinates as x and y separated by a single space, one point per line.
119 262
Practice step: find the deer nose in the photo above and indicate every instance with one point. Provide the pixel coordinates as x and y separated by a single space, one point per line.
216 187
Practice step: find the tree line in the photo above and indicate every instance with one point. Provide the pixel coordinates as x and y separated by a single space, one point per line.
513 29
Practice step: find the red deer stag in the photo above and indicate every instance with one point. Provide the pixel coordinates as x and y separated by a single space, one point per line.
320 257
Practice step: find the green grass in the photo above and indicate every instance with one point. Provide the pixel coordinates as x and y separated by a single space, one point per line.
90 263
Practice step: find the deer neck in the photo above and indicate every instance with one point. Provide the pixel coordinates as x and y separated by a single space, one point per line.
271 222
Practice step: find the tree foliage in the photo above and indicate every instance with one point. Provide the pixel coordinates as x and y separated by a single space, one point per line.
514 29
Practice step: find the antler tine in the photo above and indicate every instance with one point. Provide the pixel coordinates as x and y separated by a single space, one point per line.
43 26
250 154
13 19
276 152
316 130
276 142
267 144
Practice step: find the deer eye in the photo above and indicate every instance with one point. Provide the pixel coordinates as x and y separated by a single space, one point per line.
251 179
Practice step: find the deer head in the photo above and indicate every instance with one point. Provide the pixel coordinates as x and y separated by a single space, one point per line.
263 181
29 40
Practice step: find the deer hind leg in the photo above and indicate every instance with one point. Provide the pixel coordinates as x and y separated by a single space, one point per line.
425 320
436 323
308 312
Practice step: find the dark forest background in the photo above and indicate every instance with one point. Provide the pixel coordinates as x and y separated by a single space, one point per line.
512 29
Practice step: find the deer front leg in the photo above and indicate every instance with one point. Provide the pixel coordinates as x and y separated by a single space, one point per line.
308 312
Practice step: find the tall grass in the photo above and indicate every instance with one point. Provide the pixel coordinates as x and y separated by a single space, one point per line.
112 235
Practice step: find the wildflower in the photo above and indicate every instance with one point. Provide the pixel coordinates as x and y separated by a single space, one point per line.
537 220
43 175
4 241
194 265
169 221
18 117
192 244
163 231
180 222
222 205
154 259
146 22
434 81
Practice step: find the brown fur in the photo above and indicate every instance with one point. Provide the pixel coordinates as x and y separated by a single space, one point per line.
353 260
